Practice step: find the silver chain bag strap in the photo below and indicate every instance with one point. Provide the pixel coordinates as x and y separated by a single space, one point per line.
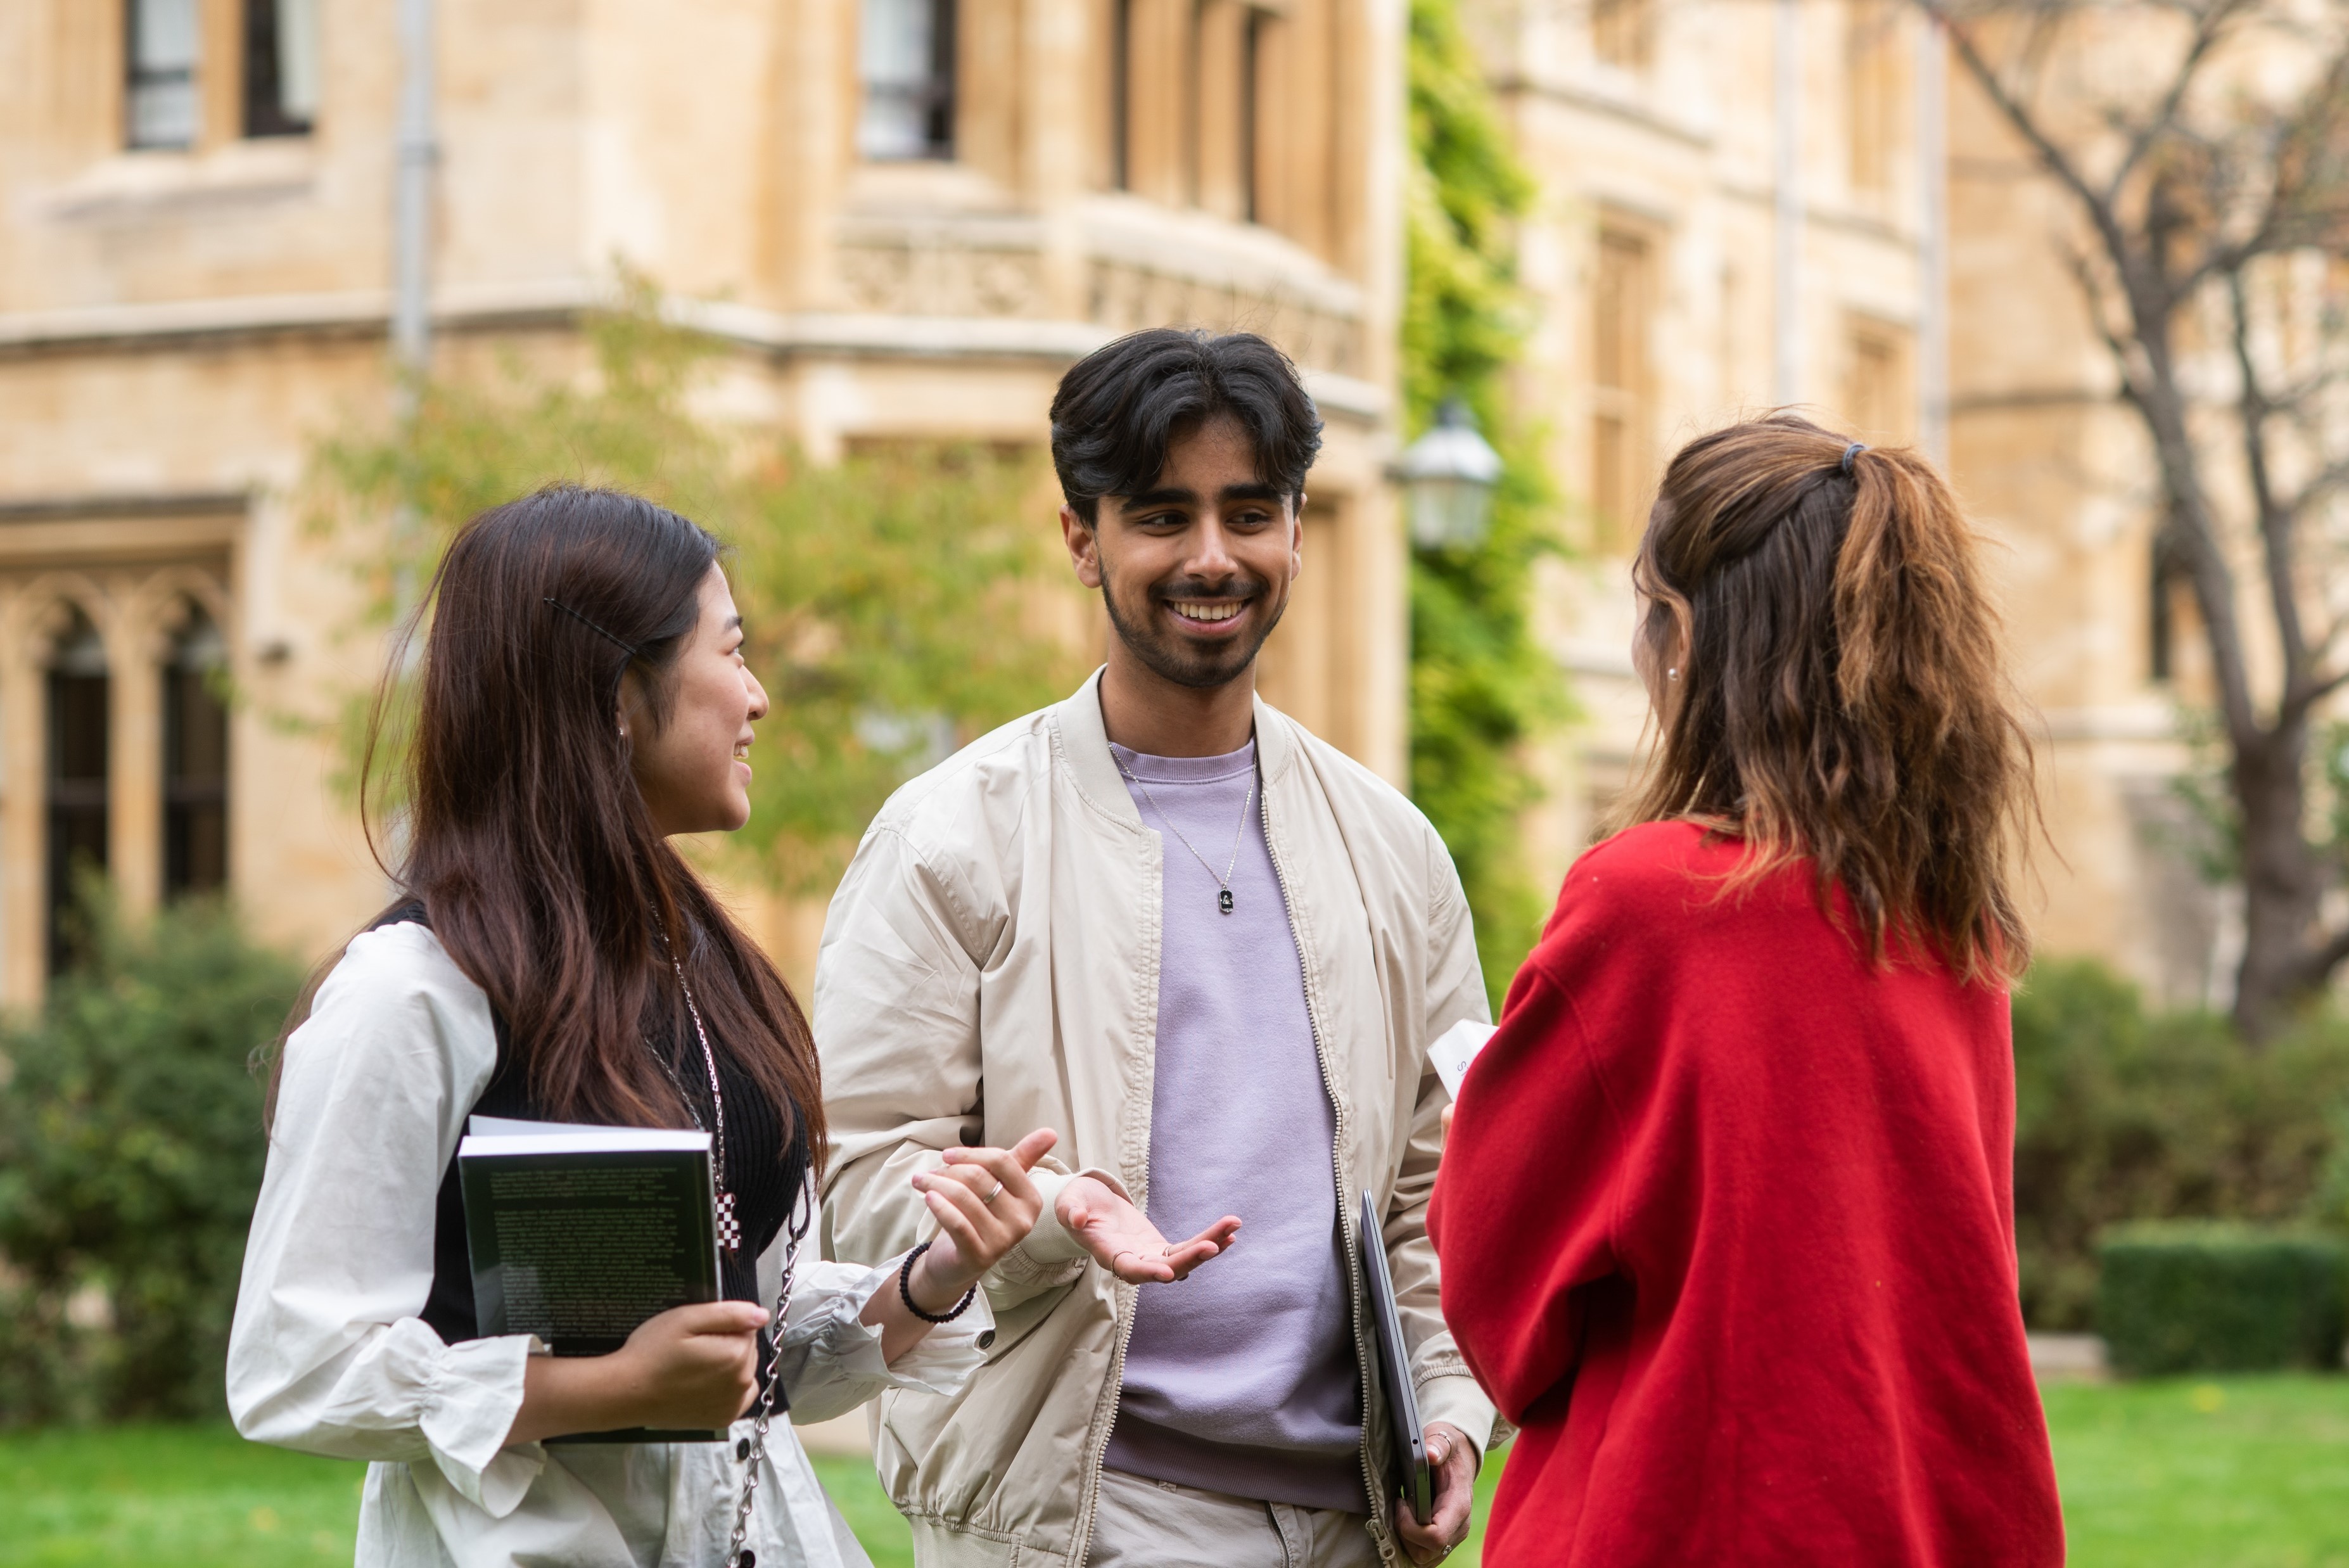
802 1216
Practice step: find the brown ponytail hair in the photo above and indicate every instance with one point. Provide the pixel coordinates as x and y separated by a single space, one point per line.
528 840
1840 694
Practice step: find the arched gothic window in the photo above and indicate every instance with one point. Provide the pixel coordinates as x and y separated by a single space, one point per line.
81 704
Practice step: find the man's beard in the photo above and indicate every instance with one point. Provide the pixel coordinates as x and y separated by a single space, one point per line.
1166 652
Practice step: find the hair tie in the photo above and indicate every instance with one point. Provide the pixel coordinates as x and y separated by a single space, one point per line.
628 649
1853 451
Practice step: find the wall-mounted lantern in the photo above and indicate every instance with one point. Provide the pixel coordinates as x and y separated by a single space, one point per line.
1447 476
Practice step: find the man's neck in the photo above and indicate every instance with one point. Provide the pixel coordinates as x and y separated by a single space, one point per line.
1145 712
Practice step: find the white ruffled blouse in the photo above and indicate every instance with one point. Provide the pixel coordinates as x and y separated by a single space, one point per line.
329 1353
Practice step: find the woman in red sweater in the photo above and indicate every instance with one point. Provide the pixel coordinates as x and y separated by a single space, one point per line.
1727 1221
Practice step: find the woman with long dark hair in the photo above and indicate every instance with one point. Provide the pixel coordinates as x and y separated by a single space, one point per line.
550 957
1727 1220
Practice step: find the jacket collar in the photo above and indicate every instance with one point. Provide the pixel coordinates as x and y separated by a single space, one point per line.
1085 742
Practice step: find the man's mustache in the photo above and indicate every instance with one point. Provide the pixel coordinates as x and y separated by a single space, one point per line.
1200 589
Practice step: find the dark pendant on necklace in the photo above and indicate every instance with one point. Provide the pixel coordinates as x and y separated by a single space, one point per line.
1224 900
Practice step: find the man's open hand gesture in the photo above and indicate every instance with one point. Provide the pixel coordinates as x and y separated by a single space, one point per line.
1122 1239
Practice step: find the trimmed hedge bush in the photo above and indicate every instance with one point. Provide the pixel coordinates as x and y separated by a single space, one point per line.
2185 1297
131 1151
2126 1112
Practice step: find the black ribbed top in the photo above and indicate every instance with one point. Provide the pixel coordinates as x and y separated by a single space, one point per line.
763 1175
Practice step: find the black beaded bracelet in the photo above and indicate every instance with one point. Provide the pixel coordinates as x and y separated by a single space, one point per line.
905 1291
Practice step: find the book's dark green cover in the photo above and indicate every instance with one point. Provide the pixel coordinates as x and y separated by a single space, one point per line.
580 1248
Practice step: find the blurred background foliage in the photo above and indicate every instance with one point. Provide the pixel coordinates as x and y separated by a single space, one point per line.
1483 691
2128 1113
896 603
131 1152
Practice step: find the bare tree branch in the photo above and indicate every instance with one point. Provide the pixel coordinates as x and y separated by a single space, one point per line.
2017 115
2211 26
2275 524
2210 184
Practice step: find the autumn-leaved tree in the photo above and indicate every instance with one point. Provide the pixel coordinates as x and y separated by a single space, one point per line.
2202 149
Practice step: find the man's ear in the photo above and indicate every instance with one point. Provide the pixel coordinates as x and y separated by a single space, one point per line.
1083 541
1297 537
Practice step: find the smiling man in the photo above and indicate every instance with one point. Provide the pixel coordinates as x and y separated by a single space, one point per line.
1211 951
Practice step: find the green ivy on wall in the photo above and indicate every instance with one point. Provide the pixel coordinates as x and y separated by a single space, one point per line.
1482 689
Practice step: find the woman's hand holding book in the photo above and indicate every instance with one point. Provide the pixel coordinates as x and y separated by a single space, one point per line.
689 1368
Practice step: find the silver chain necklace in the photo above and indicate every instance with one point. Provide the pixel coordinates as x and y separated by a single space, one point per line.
753 1453
730 1226
1223 898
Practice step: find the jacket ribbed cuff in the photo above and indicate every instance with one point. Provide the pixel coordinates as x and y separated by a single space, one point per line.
1051 1254
1453 1396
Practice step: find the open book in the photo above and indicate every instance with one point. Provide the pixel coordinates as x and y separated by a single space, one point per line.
577 1234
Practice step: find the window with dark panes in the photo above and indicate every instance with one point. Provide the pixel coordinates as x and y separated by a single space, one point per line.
195 763
80 701
162 39
281 66
906 65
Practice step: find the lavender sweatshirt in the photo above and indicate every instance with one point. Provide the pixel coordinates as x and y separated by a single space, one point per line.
1241 1379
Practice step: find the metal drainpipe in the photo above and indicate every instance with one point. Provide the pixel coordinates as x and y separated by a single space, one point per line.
411 226
1786 379
1933 241
411 262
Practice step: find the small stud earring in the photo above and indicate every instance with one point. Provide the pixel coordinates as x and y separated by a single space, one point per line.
1672 675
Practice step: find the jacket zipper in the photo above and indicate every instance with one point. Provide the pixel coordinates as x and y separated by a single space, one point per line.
1380 1533
1097 1444
1097 1439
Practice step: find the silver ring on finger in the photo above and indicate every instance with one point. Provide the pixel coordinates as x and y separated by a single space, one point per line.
991 1197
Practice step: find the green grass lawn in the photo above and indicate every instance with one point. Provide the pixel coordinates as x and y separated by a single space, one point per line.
2244 1472
2237 1472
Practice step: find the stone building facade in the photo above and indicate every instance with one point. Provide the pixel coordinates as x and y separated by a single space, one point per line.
1803 203
903 219
1734 213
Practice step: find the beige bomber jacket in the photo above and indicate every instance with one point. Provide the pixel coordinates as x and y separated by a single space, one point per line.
989 965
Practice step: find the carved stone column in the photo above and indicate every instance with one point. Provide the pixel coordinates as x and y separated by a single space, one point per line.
135 648
23 853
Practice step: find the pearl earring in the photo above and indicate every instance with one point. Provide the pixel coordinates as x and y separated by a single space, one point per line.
1672 675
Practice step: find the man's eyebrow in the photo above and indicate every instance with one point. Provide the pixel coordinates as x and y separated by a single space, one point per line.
1166 495
1254 490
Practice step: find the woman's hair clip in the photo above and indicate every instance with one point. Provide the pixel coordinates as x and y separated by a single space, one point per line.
627 648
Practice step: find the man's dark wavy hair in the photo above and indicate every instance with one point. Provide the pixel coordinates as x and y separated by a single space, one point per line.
1121 407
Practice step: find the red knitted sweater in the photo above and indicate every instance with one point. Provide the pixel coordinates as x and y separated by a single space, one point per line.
1727 1227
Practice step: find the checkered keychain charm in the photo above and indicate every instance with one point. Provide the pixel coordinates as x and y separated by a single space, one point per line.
729 1228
